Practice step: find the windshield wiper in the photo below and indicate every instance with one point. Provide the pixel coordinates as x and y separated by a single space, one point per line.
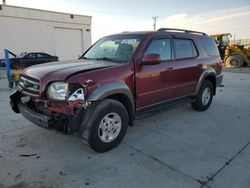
103 59
83 57
108 59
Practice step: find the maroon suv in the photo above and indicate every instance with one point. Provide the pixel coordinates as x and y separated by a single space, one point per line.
120 78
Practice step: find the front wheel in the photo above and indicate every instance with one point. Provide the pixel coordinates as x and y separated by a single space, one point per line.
205 96
108 124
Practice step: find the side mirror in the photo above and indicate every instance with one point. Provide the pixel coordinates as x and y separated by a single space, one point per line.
151 59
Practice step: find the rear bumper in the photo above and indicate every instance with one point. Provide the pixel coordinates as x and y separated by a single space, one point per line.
36 118
219 79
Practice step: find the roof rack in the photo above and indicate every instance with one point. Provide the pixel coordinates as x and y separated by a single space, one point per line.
183 30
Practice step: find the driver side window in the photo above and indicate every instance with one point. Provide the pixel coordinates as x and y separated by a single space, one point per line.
161 47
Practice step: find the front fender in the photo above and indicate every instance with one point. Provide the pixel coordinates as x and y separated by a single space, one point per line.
115 89
109 89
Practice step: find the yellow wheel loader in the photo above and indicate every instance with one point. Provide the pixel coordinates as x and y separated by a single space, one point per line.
233 55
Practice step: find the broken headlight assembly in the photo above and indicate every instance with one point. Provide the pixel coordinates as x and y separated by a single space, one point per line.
65 91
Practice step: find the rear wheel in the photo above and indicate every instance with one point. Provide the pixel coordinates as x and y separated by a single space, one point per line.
234 61
204 97
108 124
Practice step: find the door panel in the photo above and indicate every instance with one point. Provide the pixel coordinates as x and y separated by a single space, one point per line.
156 83
187 66
188 73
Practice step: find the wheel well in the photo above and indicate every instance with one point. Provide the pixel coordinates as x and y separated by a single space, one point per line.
127 103
213 81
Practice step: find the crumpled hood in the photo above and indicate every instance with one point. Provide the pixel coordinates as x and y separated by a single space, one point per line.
55 71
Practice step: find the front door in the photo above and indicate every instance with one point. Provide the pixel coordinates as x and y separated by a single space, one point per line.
156 83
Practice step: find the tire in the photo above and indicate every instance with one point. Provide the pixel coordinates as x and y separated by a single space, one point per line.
204 97
234 61
108 125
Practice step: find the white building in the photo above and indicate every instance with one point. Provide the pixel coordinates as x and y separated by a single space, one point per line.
30 30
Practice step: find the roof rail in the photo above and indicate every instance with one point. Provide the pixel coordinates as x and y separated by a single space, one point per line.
183 30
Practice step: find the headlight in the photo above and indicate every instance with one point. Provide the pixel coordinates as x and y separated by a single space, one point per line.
64 91
58 90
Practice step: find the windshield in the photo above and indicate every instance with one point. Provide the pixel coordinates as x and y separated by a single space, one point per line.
225 40
117 48
222 40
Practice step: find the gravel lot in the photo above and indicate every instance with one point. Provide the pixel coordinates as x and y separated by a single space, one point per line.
177 148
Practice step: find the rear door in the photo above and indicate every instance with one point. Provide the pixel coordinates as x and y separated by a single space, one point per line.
187 65
156 83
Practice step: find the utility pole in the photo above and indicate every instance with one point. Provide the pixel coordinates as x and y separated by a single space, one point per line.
155 19
4 2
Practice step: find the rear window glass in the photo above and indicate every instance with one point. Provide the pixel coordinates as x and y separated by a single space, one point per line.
209 46
184 48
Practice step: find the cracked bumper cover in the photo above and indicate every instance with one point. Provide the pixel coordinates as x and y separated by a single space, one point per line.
36 118
66 109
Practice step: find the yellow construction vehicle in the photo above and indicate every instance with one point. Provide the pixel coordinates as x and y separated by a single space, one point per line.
233 55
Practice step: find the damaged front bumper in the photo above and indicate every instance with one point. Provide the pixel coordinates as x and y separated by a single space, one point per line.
36 118
64 116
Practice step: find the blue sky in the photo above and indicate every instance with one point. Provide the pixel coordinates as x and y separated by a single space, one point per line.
112 16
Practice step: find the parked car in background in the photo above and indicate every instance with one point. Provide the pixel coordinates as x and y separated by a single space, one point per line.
28 59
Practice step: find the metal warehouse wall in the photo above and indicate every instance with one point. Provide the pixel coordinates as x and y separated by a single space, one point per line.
31 30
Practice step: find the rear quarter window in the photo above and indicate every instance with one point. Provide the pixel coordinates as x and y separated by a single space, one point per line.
209 46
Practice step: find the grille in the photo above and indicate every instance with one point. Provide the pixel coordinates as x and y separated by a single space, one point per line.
29 85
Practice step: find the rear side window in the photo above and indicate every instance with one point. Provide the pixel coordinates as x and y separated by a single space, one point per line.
161 47
184 48
209 46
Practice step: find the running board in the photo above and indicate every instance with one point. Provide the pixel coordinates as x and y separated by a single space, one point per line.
152 110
